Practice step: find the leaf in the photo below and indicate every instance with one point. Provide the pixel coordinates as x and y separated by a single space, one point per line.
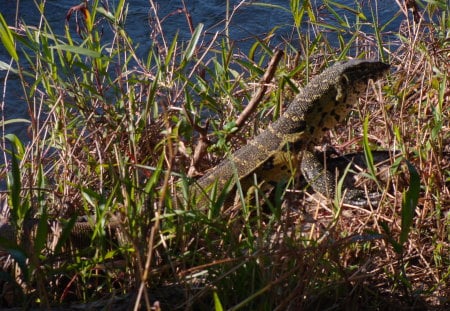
41 233
65 234
217 304
155 177
193 42
218 199
397 247
410 200
347 8
12 121
14 185
7 67
367 152
119 9
7 39
17 253
107 14
368 155
78 50
90 196
17 143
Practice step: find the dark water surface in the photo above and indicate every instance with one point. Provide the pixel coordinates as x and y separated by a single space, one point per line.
248 22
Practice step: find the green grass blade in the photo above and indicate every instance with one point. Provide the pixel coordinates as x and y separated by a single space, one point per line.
217 304
18 254
7 67
14 183
271 6
171 51
7 38
13 121
410 200
17 144
390 238
119 9
155 177
340 189
78 50
65 234
367 151
346 8
41 233
190 50
297 12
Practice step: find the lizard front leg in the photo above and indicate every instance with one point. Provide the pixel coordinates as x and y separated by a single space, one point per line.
323 180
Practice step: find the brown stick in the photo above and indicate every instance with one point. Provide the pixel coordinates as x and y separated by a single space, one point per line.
265 80
251 107
200 148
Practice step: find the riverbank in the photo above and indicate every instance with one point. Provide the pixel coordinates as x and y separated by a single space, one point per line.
119 138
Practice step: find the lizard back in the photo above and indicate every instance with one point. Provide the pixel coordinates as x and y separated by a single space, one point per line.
320 105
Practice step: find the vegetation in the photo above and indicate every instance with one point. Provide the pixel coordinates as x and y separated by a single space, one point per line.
119 136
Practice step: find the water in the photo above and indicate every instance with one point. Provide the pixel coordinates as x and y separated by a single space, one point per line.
247 23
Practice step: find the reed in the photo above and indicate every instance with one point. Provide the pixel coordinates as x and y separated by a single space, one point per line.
116 135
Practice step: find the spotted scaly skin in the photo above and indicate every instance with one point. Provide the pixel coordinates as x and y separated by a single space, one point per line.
319 107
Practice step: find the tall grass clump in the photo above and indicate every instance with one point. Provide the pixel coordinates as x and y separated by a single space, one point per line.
114 139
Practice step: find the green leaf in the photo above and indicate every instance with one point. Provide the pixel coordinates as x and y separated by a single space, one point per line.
217 304
346 8
90 196
410 200
107 14
65 234
219 200
367 152
12 121
171 51
397 247
17 144
17 253
340 189
119 9
193 42
14 185
78 50
7 67
41 233
7 39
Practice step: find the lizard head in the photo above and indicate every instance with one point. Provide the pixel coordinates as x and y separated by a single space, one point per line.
328 98
358 72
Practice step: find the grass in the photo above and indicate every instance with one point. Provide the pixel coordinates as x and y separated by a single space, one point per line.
115 135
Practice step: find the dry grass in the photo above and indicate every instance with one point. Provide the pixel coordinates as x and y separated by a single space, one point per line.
115 137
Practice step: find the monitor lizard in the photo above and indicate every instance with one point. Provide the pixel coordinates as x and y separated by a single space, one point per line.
323 103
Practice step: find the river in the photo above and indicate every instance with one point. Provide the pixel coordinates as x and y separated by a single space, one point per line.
248 21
